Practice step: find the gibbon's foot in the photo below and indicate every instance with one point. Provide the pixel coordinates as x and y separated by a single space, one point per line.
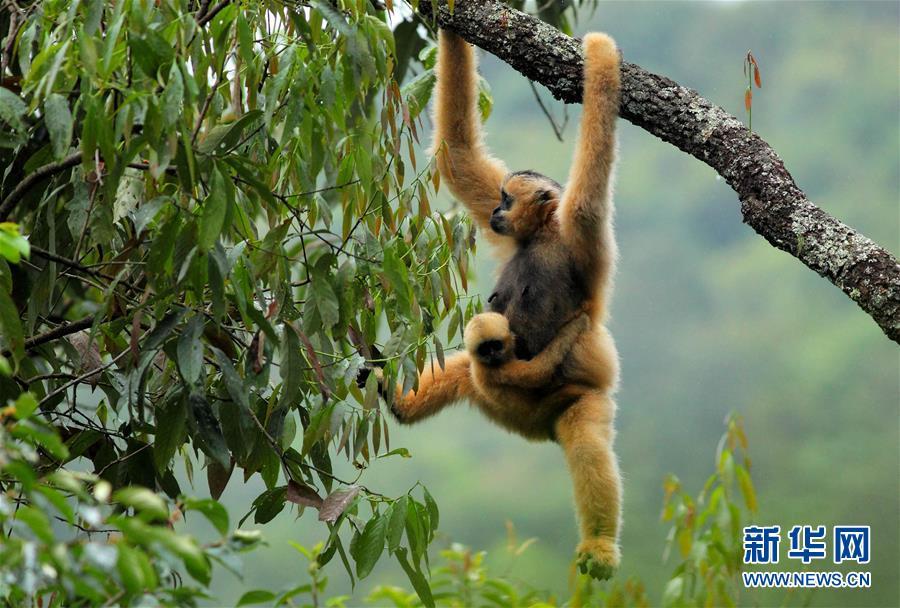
488 338
398 415
598 558
363 374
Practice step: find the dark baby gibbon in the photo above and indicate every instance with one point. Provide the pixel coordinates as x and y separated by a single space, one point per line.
540 364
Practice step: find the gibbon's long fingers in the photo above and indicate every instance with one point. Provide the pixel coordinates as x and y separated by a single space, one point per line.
438 388
473 176
585 432
586 205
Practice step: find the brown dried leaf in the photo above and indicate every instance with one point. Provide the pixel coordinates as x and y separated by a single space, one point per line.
336 503
304 495
89 354
217 478
314 361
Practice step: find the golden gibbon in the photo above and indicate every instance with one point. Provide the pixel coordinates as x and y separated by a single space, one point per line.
541 363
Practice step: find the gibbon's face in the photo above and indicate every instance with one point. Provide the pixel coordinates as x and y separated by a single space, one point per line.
527 202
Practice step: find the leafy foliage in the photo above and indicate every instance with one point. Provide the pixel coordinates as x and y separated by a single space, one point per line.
124 548
706 532
223 212
211 214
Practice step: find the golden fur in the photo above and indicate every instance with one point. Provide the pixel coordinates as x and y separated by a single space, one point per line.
564 392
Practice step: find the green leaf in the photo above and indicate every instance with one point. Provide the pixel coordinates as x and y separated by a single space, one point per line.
257 596
41 436
11 326
747 488
59 501
370 545
212 217
238 427
415 531
485 98
208 432
222 138
12 109
186 548
170 422
143 215
190 350
416 578
25 406
326 301
672 592
58 119
212 510
397 523
418 91
433 513
291 367
402 452
269 504
151 52
398 274
129 567
143 501
37 521
172 98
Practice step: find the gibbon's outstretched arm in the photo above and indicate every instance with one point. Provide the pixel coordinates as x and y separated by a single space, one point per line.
586 207
474 177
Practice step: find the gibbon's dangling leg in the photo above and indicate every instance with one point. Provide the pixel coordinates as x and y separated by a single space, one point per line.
438 388
585 432
473 176
585 210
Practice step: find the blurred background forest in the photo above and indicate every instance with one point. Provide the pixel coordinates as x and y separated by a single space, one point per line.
708 317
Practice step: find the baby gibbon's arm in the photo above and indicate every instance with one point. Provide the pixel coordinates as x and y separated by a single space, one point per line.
474 177
586 207
538 372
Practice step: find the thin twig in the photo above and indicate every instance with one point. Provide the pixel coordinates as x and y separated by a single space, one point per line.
10 40
209 16
59 332
84 376
33 178
557 130
123 458
53 257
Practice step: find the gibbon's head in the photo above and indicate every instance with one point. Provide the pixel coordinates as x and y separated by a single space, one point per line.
488 338
528 201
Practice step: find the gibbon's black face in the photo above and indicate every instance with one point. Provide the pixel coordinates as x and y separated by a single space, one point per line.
527 199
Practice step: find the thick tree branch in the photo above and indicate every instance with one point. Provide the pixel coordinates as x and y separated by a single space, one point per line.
771 203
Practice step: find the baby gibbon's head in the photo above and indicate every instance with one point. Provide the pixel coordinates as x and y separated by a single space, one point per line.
488 338
528 202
